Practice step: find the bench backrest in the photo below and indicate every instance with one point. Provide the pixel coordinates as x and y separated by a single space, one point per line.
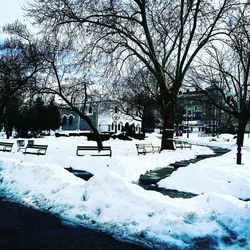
178 142
36 146
182 144
9 144
92 148
144 145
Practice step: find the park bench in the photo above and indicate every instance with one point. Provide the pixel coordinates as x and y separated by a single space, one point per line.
35 149
178 144
6 146
93 151
144 148
187 145
182 144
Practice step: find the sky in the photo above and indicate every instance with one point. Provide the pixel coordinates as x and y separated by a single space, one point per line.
10 11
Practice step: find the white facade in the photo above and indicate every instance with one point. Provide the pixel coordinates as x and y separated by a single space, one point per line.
114 122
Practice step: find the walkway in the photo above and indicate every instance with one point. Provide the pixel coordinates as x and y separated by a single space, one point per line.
22 228
150 179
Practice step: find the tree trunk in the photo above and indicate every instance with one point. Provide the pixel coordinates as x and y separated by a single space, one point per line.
241 130
94 130
87 120
168 116
8 132
240 136
6 121
143 126
90 124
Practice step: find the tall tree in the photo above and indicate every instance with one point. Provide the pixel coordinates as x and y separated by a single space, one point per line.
18 67
64 76
39 116
36 117
137 95
60 72
53 115
227 70
163 36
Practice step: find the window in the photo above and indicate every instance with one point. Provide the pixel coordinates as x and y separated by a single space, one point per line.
64 121
119 126
71 120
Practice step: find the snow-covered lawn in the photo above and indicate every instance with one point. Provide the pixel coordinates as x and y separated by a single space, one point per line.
111 200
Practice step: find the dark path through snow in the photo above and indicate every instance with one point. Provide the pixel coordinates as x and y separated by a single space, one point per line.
23 228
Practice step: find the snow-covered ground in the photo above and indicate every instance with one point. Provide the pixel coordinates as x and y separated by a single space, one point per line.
111 201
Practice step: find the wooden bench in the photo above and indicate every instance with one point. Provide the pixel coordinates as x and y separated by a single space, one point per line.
144 148
35 149
178 144
6 146
187 145
94 151
182 144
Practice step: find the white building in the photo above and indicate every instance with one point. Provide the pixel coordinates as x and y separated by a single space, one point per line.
105 117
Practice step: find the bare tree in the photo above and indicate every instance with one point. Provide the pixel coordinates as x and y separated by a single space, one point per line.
227 68
64 76
164 36
18 66
137 95
60 73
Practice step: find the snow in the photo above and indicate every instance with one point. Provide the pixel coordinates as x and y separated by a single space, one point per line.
111 201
